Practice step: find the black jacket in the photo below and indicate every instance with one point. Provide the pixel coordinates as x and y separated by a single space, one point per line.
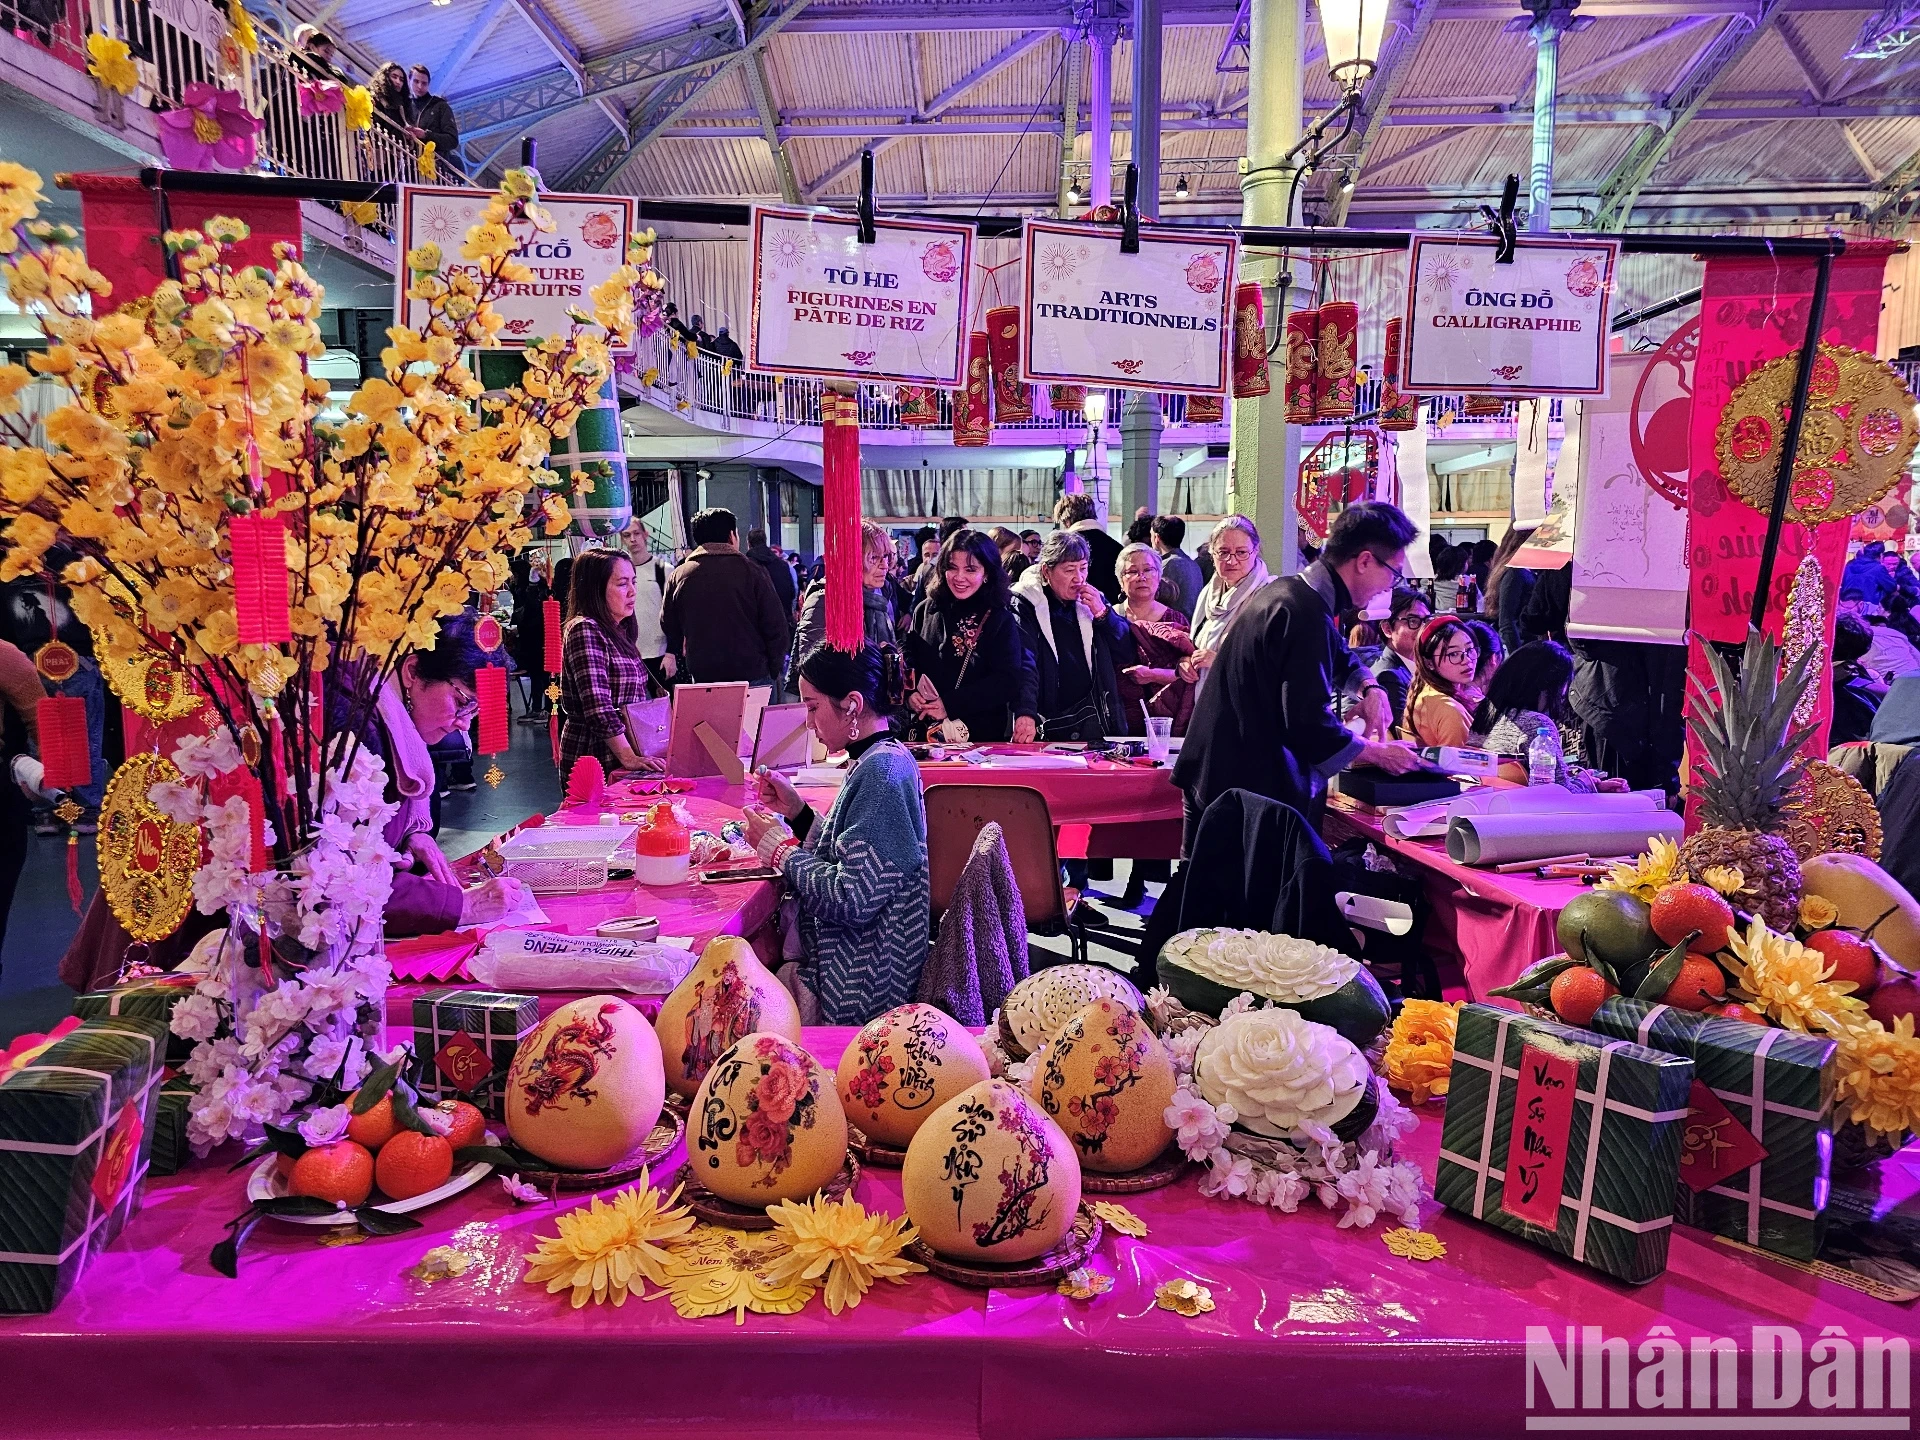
723 620
434 115
1113 651
1265 719
778 571
983 693
1516 588
1628 696
1103 563
1899 803
1545 615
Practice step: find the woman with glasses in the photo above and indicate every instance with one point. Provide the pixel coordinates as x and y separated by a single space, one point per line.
601 668
1444 664
1238 571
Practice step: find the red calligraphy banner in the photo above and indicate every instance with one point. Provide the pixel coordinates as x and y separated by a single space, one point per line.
1753 311
1536 1167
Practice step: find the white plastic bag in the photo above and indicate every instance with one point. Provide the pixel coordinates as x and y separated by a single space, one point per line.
548 960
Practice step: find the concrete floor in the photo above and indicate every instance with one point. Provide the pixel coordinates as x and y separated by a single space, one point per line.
43 921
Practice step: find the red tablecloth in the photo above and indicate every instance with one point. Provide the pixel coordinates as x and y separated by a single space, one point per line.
1317 1331
1494 925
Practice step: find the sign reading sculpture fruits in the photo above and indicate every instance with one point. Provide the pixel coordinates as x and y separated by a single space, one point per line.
824 304
1158 320
1536 326
586 244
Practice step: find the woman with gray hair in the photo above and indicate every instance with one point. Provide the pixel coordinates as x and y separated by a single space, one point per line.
1238 571
1078 643
1154 686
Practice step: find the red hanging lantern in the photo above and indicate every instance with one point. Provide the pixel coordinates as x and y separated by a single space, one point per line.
1483 407
1011 400
261 606
1303 374
840 500
971 422
918 405
1206 409
1336 356
1397 411
1250 373
1067 399
64 751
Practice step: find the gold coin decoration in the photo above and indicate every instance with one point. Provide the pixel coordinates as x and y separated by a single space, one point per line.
1827 811
1858 434
146 861
151 685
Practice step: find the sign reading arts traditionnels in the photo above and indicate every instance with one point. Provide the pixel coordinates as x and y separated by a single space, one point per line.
824 304
1537 326
1159 320
587 244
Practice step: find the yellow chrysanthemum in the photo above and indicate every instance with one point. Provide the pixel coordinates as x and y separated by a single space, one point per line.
1728 880
357 110
839 1243
1817 912
602 1249
1650 873
1778 975
1879 1076
111 63
1419 1056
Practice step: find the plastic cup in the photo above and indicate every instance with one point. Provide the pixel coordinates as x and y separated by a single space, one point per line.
1159 736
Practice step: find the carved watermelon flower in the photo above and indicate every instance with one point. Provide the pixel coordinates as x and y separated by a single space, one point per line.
211 129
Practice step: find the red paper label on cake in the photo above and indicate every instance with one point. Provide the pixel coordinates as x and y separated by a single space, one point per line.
1715 1146
1536 1165
463 1062
117 1154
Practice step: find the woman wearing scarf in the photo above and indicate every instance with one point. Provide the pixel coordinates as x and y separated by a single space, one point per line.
1078 644
966 647
881 618
1238 571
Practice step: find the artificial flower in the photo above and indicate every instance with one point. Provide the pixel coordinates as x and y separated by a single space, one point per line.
429 162
1119 1219
603 1249
1184 1297
715 1271
1648 874
1879 1076
111 63
1728 880
839 1244
244 35
1414 1244
211 129
324 1126
356 108
1817 912
322 97
519 1191
1419 1056
1783 979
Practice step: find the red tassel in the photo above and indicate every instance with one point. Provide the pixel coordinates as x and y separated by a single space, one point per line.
840 498
553 734
63 742
550 617
74 892
490 685
260 575
259 858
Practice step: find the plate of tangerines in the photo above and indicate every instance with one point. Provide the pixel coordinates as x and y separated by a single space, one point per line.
370 1159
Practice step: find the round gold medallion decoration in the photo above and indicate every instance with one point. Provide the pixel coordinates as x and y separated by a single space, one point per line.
1855 441
1827 811
146 861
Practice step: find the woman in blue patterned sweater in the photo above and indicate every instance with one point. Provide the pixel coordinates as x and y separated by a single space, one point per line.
859 874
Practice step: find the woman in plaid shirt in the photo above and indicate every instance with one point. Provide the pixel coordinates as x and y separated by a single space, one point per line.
601 672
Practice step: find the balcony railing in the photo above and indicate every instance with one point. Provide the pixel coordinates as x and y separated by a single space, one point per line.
177 43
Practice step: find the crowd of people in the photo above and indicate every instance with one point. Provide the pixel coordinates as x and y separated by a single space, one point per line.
402 96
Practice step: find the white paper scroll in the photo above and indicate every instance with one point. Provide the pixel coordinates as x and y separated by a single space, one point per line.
1497 839
1416 493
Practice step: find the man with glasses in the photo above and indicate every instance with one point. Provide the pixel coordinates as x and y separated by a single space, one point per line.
1394 668
1266 721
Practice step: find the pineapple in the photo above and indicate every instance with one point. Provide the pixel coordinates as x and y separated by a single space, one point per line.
1751 761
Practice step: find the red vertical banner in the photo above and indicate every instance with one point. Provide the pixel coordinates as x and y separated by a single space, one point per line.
1011 399
121 218
840 499
1302 373
1542 1126
490 688
1753 311
260 598
972 424
1250 374
64 751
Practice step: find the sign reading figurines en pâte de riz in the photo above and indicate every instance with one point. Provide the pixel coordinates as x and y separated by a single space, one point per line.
1537 326
1159 320
824 304
587 244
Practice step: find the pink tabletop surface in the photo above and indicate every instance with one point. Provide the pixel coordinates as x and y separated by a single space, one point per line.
1317 1331
1497 925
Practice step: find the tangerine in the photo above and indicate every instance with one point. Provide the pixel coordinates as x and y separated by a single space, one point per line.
374 1128
469 1125
341 1172
1679 910
1577 992
1699 984
1733 1010
1851 957
411 1164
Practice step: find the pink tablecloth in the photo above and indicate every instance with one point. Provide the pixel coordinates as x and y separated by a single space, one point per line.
1495 926
1318 1331
1103 811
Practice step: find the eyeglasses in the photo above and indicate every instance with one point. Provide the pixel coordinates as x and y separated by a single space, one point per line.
1399 575
465 702
1456 656
1236 556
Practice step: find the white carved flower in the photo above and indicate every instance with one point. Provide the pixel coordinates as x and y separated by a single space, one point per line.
1274 967
1280 1073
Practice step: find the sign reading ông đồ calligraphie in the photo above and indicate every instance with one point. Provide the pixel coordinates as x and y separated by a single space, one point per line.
824 304
1158 320
1536 326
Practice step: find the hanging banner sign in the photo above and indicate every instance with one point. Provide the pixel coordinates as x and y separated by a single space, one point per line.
1537 326
1160 320
587 244
824 304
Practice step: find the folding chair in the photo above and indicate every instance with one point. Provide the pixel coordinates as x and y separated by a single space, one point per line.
955 815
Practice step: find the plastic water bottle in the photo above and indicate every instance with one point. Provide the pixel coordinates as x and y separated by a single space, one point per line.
1543 758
